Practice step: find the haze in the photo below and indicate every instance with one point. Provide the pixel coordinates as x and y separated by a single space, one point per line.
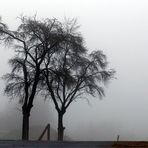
120 29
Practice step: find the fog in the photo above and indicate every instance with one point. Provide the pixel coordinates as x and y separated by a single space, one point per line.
120 29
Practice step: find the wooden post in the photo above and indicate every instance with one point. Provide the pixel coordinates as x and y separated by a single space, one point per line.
118 136
47 128
48 132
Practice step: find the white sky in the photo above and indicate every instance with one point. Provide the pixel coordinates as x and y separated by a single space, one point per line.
120 29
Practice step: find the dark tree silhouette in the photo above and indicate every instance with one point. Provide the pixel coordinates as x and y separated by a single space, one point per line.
72 72
32 40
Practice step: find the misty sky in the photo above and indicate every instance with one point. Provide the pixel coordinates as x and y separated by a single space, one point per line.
120 29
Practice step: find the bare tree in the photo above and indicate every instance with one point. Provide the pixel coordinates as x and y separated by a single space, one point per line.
72 73
32 40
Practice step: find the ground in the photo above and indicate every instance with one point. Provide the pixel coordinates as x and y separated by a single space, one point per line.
71 144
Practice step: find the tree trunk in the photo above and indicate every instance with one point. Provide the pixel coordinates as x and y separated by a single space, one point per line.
60 127
25 127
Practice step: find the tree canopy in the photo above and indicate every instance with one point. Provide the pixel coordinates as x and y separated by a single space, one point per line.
51 57
72 72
